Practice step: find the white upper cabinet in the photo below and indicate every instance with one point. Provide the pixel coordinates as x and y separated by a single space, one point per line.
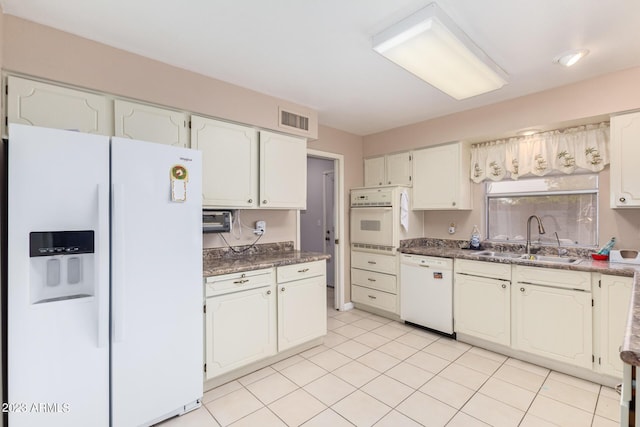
441 177
283 171
374 172
625 150
392 169
229 162
147 123
40 104
243 168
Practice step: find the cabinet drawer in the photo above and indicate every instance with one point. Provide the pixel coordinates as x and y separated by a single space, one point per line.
493 270
553 277
372 279
373 298
226 283
375 262
301 271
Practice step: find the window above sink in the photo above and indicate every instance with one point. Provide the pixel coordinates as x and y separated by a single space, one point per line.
568 206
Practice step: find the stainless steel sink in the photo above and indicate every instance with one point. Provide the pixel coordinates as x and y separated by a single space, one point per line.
548 259
551 259
498 254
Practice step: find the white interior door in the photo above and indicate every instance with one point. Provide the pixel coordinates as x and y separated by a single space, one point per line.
328 215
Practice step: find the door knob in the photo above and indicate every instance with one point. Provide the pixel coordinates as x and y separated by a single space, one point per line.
622 199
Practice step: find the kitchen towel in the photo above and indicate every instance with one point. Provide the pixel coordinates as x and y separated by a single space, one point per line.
404 210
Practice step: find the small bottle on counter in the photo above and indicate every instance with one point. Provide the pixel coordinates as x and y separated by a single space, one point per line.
474 243
607 248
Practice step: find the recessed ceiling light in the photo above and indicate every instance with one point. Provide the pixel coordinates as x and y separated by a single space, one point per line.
570 57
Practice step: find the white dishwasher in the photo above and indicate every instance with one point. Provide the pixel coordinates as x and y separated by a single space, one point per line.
426 292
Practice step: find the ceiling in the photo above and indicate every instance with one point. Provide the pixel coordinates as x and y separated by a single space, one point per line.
318 52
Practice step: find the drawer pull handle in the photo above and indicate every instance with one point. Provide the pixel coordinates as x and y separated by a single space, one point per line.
371 262
371 296
504 286
304 270
371 280
240 282
521 289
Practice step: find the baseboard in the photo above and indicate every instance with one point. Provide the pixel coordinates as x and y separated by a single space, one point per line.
347 306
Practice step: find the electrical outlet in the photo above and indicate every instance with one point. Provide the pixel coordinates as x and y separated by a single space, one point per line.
452 228
261 227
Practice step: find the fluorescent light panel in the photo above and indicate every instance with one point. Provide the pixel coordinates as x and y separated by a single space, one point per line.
430 45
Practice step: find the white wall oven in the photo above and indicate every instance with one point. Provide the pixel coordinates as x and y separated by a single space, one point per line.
376 219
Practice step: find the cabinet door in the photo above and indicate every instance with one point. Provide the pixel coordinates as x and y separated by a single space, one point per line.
625 150
399 169
240 329
374 172
40 104
440 178
283 171
482 308
302 311
229 163
615 295
147 123
554 323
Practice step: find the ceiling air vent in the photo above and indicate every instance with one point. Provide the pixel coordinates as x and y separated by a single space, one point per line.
293 120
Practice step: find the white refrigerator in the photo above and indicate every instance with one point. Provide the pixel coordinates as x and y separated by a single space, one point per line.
104 280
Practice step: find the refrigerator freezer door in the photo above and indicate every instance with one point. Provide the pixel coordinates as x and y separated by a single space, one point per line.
157 289
58 319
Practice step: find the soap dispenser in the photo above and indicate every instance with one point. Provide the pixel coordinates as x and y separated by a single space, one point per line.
474 243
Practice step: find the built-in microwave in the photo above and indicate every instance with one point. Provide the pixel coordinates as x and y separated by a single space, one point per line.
216 221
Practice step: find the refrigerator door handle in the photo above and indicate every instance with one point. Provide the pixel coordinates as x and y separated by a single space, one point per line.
102 288
117 262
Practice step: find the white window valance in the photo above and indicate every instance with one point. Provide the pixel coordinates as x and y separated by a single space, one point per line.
579 149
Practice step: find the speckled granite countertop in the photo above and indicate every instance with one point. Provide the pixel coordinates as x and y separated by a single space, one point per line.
630 349
451 249
224 261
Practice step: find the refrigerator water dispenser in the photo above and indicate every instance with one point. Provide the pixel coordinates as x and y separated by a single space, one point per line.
62 265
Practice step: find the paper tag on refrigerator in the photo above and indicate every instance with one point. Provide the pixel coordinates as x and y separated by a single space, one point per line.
179 179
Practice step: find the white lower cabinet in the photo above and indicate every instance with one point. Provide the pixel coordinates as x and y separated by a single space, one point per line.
615 296
250 316
553 322
482 308
374 281
241 328
575 317
302 303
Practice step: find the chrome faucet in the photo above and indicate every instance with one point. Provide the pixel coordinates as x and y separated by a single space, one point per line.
540 231
561 251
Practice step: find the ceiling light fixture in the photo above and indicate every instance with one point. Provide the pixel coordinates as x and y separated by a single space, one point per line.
570 57
431 46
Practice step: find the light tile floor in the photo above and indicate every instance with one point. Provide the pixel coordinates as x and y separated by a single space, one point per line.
373 371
